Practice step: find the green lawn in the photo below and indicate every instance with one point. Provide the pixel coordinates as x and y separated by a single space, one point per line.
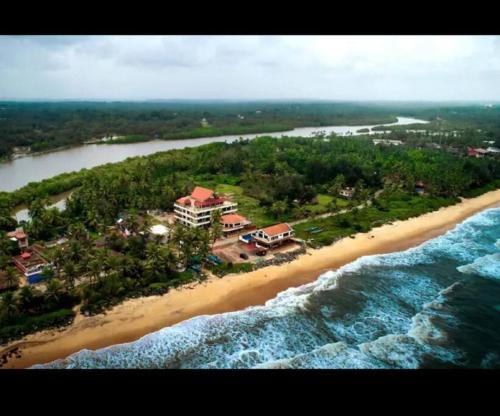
247 206
323 201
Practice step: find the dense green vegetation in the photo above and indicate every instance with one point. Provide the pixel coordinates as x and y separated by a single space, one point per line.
388 207
272 179
49 125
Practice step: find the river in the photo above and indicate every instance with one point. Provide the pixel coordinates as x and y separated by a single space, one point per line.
19 172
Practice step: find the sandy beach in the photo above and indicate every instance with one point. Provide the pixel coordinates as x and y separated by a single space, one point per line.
138 317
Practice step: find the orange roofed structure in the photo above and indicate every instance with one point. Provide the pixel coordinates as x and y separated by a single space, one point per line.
195 210
274 235
234 222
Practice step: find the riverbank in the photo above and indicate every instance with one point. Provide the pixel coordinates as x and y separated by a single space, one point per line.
138 317
31 170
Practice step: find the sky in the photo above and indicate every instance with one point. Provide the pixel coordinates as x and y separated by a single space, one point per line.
250 67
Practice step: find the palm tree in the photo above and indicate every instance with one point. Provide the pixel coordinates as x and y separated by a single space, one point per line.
9 304
11 276
95 269
278 208
53 292
215 226
75 250
69 270
26 297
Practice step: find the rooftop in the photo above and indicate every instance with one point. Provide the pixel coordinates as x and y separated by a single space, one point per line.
159 229
18 234
277 229
201 194
232 219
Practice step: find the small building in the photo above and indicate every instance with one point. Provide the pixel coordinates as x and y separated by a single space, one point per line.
347 192
196 210
420 188
20 237
31 264
387 141
160 232
476 152
273 236
233 223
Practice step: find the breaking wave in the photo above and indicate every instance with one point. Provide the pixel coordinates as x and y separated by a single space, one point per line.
396 310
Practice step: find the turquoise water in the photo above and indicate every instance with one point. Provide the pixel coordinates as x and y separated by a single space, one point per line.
433 306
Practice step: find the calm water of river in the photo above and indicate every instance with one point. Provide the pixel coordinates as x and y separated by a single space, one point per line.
20 172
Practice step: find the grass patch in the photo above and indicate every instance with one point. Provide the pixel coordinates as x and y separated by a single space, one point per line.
323 200
247 205
396 207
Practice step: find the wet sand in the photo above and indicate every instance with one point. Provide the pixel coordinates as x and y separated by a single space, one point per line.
138 317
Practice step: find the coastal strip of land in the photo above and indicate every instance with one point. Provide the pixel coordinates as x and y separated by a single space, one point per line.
138 317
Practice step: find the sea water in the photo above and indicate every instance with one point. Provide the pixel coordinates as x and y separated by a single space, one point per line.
433 306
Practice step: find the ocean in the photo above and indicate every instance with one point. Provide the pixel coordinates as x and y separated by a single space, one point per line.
433 306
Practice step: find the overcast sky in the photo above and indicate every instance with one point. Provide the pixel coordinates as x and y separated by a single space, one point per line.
250 67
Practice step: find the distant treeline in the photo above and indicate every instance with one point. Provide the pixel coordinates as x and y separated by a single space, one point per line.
48 125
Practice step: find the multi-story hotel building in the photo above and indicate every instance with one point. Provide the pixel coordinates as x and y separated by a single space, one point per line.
196 210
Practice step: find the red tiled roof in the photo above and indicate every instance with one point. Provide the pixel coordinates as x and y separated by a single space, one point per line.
209 202
201 194
277 229
184 200
232 219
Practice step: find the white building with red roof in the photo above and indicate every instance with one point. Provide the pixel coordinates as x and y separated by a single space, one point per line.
274 235
196 210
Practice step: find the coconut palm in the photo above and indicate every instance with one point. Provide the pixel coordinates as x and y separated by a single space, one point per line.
54 292
215 226
11 276
95 269
26 298
69 270
8 305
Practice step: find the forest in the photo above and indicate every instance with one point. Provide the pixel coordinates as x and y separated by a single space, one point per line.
48 125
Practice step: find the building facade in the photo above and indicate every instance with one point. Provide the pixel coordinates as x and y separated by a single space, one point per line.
196 210
273 236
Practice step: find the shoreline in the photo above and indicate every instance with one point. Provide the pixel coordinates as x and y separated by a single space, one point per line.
135 318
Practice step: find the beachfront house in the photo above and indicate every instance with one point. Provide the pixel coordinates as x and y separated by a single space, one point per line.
31 263
196 210
20 237
232 223
273 236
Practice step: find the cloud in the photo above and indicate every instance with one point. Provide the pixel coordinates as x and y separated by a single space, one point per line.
250 67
